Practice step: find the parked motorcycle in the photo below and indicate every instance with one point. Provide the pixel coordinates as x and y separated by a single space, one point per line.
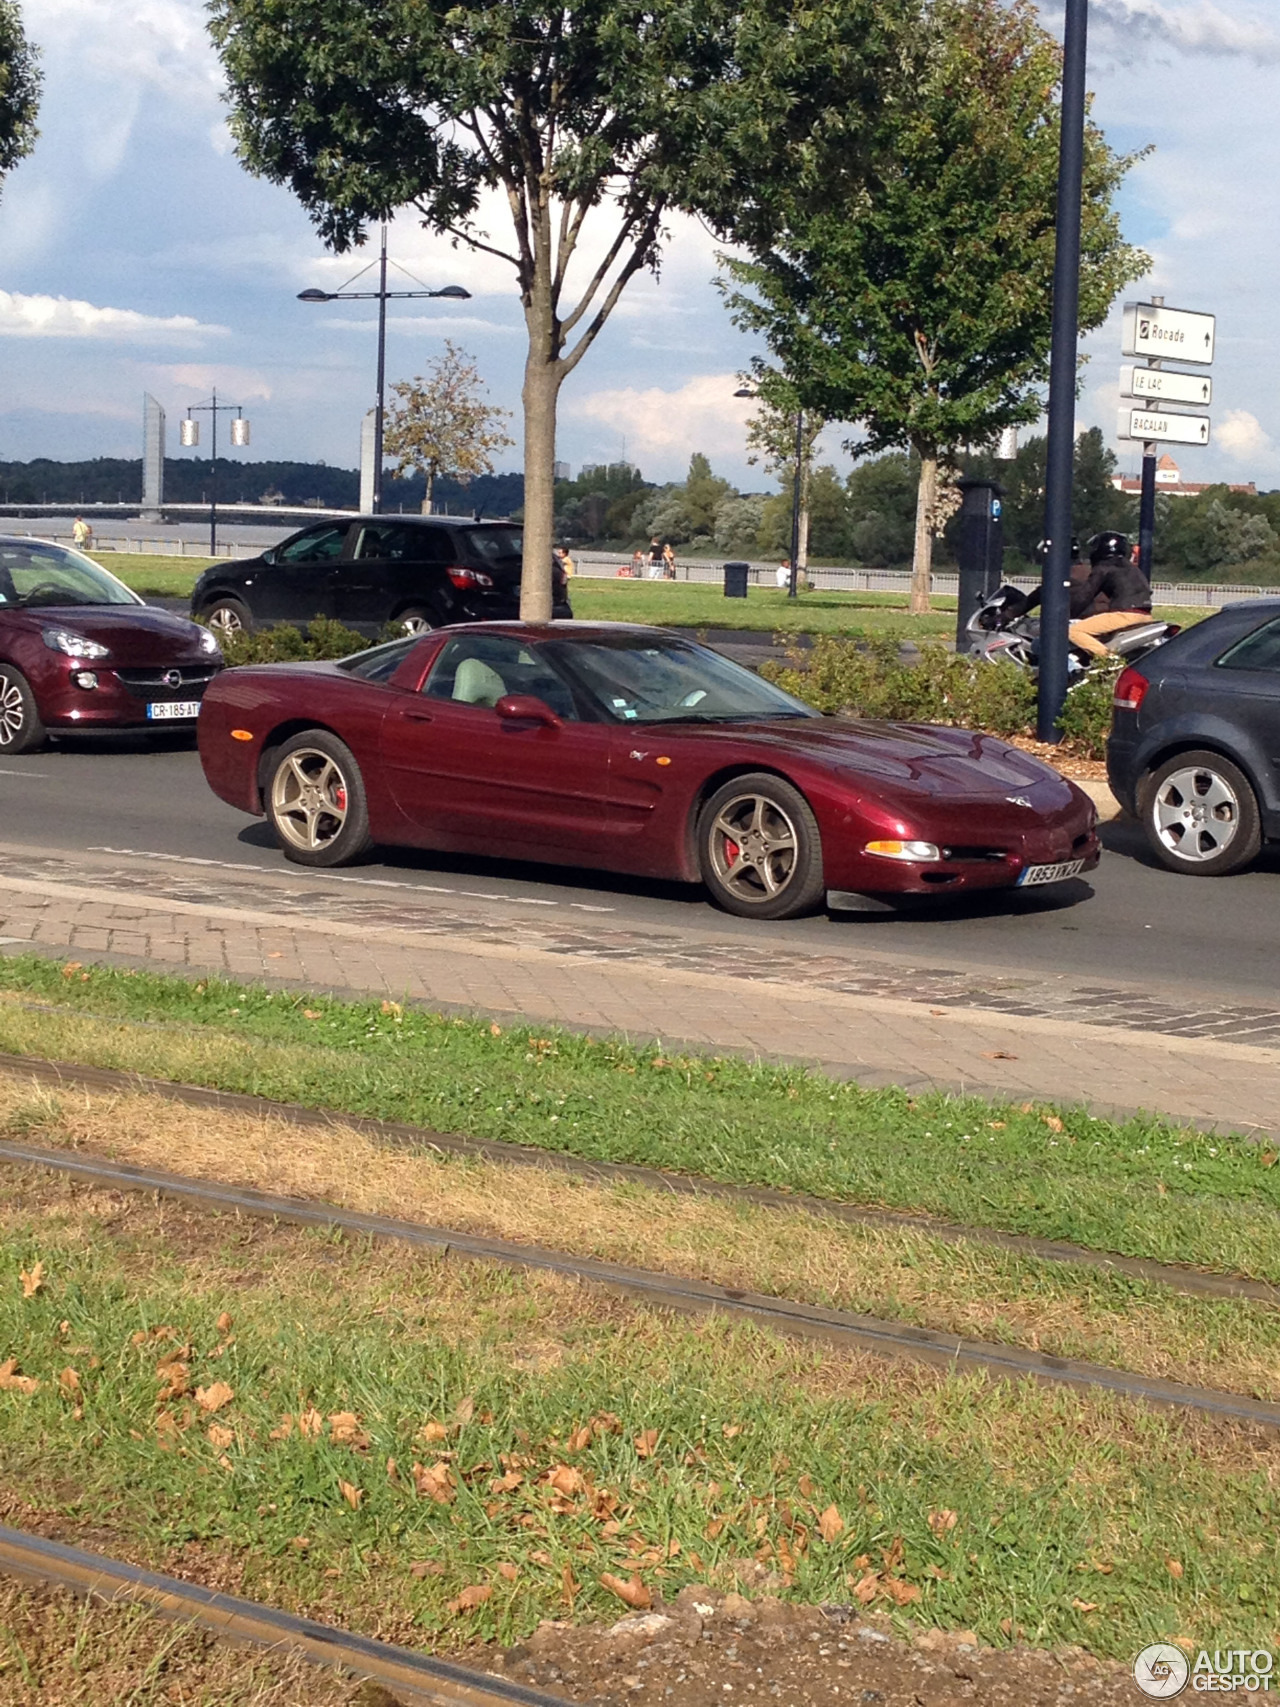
996 633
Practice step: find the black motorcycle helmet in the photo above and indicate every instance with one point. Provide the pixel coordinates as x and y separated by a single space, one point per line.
1109 545
1042 551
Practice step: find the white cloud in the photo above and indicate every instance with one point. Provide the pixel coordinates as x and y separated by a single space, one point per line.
64 317
244 383
1242 435
667 426
440 325
1198 28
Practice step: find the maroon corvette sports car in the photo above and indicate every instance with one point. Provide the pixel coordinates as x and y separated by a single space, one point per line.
78 650
633 750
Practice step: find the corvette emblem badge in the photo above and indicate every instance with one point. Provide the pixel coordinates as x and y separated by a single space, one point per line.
1018 800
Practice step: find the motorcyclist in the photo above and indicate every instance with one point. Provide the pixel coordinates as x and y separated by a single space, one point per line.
1084 600
1117 578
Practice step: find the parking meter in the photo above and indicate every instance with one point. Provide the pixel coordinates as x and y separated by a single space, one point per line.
981 550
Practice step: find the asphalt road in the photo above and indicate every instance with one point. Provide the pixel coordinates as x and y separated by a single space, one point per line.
1178 937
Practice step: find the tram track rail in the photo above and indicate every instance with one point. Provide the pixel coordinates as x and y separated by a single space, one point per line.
402 1135
418 1680
840 1329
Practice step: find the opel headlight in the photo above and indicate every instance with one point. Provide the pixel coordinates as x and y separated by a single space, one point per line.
74 645
208 640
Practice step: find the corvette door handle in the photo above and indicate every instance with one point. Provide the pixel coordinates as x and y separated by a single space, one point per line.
417 717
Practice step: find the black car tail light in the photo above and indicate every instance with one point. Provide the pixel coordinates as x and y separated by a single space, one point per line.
463 578
1131 690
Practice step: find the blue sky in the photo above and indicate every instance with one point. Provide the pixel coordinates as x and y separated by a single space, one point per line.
136 254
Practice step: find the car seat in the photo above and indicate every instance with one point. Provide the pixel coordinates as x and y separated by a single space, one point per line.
477 683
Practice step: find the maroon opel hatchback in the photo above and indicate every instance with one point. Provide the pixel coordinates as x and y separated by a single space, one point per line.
78 650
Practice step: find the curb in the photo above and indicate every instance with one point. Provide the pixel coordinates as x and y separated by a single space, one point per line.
1100 794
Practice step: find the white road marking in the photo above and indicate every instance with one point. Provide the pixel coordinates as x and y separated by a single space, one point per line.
41 776
340 877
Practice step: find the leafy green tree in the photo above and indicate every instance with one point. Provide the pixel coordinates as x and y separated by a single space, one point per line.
1095 504
703 494
881 500
772 440
442 423
737 523
914 296
19 89
608 114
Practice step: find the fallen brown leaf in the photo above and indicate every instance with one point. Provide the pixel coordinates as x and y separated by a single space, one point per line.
69 1380
433 1431
632 1592
471 1597
392 1008
285 1429
345 1430
1052 1122
865 1590
998 1055
464 1412
1174 1567
1268 1158
225 1323
942 1521
12 1382
1085 1605
580 1439
646 1442
831 1525
32 1279
214 1397
352 1495
903 1594
312 1013
220 1437
495 1030
426 1568
508 1571
566 1480
310 1422
435 1483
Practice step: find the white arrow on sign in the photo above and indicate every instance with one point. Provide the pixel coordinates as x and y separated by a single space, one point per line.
1169 387
1175 332
1158 426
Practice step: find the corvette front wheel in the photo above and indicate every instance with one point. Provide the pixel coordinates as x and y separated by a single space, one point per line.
316 800
760 850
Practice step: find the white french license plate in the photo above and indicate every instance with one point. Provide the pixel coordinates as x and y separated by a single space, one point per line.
1050 873
174 709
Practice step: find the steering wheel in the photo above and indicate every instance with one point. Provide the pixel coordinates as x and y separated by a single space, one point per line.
694 698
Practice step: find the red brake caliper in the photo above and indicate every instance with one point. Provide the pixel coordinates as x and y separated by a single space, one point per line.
731 851
340 798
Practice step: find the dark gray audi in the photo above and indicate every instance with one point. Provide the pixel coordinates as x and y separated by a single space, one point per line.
370 572
1194 750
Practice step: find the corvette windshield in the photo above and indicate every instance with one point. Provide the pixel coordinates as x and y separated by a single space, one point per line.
35 574
670 681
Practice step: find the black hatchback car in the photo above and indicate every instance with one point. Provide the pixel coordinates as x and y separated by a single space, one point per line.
413 572
1195 741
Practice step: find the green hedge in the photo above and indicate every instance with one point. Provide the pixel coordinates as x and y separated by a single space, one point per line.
286 644
867 676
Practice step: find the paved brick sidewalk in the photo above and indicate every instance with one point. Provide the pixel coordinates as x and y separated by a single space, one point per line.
878 1018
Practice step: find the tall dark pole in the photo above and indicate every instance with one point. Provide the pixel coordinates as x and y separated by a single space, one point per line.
793 585
213 506
1147 507
382 377
1055 603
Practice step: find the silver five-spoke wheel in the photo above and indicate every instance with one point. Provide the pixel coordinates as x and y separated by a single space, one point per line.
759 848
1200 815
309 797
753 847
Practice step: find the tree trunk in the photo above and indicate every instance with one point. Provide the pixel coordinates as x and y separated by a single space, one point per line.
541 387
922 563
429 475
802 545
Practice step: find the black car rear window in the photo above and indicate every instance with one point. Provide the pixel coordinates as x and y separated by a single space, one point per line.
1257 651
493 542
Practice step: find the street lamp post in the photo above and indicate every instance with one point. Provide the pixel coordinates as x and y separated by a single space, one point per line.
455 293
793 584
1055 601
190 436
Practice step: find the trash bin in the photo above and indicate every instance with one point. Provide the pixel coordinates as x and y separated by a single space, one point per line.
735 580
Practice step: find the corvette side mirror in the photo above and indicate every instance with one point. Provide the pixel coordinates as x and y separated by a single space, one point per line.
525 708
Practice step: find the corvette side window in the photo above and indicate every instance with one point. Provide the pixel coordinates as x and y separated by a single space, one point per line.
1257 651
481 669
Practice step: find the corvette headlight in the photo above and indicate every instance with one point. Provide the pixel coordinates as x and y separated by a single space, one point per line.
208 640
904 850
74 645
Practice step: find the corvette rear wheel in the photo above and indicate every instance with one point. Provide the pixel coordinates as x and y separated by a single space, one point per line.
760 850
21 730
316 800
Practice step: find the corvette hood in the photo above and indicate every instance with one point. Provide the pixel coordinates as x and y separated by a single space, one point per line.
916 760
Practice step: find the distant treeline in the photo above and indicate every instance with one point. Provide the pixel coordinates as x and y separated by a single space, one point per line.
118 480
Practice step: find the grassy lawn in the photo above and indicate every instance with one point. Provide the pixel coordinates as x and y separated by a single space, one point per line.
682 604
1138 1187
436 1450
153 576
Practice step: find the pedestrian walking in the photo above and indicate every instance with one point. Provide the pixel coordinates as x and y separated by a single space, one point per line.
81 534
655 559
567 565
668 562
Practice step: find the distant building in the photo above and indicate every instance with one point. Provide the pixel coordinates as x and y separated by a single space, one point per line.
560 471
272 495
1169 481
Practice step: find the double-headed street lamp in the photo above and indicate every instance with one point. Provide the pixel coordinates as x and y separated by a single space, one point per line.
794 583
190 436
381 296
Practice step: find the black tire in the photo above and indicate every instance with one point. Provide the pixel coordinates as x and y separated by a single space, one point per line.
776 871
1200 815
416 620
315 800
227 616
21 728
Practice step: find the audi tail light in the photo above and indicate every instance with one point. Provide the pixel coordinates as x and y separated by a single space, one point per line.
463 578
1131 690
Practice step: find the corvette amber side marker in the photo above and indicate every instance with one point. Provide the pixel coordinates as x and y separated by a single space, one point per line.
242 734
662 761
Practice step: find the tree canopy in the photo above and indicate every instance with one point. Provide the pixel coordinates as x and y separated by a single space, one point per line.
918 303
612 112
442 423
19 88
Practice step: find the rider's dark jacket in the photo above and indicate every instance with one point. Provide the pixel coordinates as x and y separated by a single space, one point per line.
1122 583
